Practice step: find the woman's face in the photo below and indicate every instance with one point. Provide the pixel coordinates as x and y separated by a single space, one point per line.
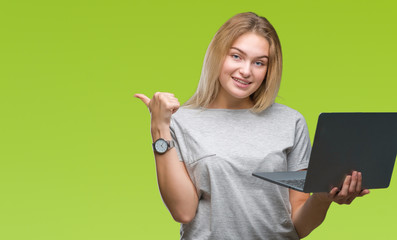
243 70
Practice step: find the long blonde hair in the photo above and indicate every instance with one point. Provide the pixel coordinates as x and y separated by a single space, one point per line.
220 45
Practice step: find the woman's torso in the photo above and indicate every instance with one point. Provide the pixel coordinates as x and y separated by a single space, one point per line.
221 148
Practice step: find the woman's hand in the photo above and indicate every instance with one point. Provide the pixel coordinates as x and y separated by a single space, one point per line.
161 107
350 190
309 213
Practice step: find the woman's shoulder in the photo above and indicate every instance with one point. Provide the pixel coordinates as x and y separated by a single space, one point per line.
283 111
281 107
186 112
185 115
286 116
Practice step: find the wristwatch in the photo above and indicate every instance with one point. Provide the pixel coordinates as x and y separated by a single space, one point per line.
161 145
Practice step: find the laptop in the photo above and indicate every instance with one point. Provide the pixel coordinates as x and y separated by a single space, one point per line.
344 142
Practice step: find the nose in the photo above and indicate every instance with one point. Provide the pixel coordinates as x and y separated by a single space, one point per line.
245 69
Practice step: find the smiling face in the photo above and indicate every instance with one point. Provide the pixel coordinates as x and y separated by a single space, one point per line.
243 71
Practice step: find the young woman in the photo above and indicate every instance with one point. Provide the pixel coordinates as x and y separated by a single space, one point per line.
207 150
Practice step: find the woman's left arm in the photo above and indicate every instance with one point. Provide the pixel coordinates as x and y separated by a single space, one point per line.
308 212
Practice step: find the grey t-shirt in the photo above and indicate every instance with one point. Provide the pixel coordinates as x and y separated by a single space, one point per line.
221 148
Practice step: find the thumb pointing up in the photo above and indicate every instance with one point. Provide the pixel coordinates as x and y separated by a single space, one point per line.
161 107
144 99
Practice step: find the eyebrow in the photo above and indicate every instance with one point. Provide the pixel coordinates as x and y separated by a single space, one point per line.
264 56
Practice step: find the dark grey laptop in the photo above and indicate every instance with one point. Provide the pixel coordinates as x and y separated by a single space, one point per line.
365 142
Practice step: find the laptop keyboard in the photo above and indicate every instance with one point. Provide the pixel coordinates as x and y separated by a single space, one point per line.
300 183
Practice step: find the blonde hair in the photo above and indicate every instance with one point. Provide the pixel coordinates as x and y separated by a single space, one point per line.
219 47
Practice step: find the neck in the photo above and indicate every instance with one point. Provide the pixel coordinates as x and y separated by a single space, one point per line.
231 103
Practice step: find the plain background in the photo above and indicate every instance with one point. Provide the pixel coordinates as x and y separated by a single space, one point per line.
75 147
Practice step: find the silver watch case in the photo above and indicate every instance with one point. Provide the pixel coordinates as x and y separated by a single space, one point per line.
161 145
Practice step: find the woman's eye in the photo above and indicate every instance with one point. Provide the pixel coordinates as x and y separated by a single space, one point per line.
235 56
259 63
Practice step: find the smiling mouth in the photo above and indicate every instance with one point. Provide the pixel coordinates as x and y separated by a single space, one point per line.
241 81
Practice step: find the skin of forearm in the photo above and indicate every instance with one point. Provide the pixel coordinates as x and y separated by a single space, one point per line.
310 215
176 187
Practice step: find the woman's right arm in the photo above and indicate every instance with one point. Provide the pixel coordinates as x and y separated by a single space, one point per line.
176 188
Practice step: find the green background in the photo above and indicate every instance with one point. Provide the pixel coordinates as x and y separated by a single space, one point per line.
75 147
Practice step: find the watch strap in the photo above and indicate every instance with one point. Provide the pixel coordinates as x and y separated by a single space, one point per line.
171 144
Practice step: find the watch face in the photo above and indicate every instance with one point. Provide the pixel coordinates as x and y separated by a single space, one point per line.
161 146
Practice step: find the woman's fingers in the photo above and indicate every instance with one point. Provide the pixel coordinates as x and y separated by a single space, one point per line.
359 182
161 107
354 183
144 99
345 188
175 107
333 192
160 99
351 189
364 192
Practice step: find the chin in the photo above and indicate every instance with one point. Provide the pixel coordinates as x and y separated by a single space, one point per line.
240 95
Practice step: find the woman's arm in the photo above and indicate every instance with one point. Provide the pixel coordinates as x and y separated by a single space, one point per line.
176 188
308 212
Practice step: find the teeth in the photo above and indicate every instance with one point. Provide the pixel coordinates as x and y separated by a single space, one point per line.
238 80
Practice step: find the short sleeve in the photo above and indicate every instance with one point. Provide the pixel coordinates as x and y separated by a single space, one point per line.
177 137
299 155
